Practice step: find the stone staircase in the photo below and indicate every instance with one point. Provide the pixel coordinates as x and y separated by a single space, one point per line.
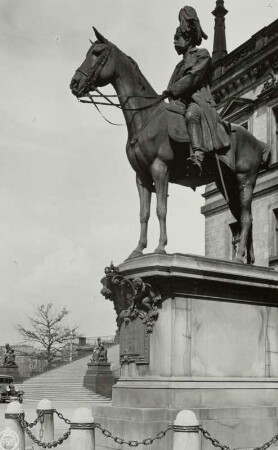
64 384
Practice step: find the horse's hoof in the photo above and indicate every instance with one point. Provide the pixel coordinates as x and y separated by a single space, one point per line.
238 260
160 251
134 254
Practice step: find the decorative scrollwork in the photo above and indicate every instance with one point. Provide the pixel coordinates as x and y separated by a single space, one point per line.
132 298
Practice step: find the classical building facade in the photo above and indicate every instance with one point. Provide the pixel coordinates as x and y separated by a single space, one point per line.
245 87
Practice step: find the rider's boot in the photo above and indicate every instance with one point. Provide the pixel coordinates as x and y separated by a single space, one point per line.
194 127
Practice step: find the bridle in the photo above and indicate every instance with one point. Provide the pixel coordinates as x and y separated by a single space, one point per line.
91 78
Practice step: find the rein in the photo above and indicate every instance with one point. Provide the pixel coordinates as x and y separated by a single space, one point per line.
118 105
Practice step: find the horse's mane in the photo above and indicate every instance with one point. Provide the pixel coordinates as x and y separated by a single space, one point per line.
140 76
143 82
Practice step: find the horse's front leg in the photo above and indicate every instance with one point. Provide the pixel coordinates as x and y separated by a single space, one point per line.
160 175
145 204
246 192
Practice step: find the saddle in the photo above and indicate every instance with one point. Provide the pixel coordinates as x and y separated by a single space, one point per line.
176 123
178 131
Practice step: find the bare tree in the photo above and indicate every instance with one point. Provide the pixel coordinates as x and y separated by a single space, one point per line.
47 331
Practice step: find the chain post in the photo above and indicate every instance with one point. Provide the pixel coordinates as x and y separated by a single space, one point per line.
45 411
13 414
82 430
186 431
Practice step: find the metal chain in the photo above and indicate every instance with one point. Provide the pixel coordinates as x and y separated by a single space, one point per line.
268 444
120 440
32 424
37 441
41 430
60 415
214 441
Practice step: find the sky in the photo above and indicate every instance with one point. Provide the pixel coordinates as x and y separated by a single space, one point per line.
68 199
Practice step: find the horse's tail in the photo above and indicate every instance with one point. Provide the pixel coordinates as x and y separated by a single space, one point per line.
266 156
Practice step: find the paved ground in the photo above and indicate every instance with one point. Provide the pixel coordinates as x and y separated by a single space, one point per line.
67 409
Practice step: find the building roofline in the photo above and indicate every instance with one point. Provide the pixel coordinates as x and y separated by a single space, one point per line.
254 37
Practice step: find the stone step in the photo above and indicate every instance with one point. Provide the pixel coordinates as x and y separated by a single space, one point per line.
64 384
60 383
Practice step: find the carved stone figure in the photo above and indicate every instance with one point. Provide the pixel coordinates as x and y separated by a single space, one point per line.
9 358
144 296
100 353
159 151
132 298
189 86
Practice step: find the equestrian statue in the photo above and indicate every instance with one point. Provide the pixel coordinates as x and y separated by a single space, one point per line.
183 140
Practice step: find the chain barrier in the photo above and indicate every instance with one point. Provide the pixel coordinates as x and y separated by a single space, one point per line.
40 419
120 440
268 443
214 441
32 424
60 415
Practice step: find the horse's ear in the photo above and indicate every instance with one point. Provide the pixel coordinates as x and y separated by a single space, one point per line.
100 37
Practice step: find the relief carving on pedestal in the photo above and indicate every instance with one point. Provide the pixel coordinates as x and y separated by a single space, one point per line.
132 298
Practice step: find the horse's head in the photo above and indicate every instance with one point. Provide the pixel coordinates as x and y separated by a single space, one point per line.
98 68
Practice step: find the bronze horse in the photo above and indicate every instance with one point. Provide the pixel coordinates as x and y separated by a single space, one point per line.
156 158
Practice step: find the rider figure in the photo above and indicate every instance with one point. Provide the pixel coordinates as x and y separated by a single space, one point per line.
190 84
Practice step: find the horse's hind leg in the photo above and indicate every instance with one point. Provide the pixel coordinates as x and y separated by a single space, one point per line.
250 255
245 193
145 204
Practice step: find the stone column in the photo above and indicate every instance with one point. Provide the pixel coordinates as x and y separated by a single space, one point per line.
219 42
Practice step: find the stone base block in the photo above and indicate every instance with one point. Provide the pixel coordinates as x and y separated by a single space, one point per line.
239 428
99 379
200 393
11 372
212 350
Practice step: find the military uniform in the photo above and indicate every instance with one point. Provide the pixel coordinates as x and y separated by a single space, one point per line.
190 83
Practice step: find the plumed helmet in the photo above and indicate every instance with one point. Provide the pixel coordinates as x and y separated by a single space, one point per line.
190 25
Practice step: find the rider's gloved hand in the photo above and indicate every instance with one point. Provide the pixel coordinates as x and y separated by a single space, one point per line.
165 94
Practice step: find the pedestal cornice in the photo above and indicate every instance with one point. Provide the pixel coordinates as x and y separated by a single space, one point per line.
200 277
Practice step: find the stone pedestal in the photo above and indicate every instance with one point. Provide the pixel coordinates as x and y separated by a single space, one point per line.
213 349
99 379
11 371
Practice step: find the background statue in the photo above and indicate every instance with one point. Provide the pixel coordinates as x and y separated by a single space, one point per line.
9 358
100 352
158 152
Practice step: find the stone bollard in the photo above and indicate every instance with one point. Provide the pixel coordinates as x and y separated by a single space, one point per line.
186 432
46 426
82 430
13 433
